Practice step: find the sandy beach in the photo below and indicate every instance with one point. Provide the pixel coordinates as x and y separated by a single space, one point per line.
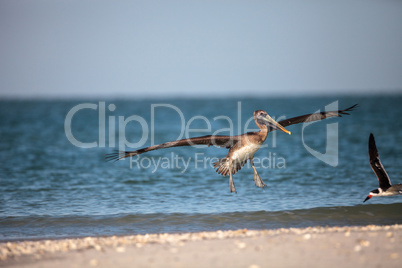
367 246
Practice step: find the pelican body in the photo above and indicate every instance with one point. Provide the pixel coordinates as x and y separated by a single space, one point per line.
241 147
385 189
245 149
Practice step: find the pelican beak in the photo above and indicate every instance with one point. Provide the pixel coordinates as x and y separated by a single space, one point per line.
272 122
367 198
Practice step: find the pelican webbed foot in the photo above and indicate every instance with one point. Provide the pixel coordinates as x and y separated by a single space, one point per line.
258 181
231 184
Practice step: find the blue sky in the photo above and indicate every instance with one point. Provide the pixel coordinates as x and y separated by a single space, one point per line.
199 48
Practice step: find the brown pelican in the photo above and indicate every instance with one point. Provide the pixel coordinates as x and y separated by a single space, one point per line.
241 147
386 189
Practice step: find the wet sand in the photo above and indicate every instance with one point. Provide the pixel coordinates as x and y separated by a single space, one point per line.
367 246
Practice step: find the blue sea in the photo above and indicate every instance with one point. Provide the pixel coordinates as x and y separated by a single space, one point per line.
55 182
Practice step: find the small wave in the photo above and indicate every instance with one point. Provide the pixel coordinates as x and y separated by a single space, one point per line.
40 227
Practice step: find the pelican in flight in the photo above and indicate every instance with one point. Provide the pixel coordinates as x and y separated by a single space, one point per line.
241 147
385 189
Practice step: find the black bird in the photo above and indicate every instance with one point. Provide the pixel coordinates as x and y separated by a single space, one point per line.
386 189
241 147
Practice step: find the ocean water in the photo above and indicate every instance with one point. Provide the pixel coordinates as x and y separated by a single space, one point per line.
55 183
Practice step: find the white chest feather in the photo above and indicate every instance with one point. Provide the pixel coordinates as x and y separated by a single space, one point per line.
245 152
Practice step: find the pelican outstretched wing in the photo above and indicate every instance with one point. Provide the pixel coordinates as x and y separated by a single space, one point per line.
210 140
314 117
225 141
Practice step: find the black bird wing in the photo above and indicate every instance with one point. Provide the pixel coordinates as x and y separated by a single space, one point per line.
376 165
314 117
210 140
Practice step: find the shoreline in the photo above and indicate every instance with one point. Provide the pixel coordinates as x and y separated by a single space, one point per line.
347 246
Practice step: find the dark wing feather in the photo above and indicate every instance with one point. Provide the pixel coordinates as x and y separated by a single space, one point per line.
376 165
215 140
314 117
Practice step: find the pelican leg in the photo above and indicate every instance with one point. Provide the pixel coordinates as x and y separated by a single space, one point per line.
231 183
257 179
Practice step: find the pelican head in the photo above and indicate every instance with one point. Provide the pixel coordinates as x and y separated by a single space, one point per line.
262 118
